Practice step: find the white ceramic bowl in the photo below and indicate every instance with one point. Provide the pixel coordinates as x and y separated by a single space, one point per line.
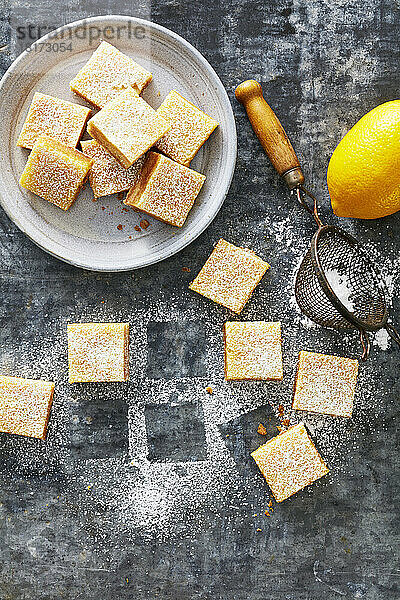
89 235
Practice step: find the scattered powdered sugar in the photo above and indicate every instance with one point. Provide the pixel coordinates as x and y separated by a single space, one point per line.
284 232
390 269
300 318
163 499
382 339
151 499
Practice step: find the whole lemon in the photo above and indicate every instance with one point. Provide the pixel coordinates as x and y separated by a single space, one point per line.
364 170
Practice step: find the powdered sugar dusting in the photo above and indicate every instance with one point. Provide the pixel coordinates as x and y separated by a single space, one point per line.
163 499
341 286
382 339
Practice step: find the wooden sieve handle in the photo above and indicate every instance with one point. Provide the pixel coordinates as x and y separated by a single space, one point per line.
270 132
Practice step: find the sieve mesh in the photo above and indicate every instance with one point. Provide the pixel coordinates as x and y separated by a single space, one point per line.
337 285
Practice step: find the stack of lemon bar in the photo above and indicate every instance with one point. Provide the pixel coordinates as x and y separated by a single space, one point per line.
133 147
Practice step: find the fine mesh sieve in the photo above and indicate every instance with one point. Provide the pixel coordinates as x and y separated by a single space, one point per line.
337 284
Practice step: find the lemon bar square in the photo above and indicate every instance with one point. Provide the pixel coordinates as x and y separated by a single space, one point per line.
166 190
230 275
127 127
25 406
107 73
107 176
289 462
55 172
98 352
190 128
325 384
253 350
56 118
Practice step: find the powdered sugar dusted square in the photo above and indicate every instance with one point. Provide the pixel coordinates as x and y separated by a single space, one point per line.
289 462
190 128
253 350
61 120
107 73
166 190
98 352
55 172
325 384
127 127
25 406
230 275
107 176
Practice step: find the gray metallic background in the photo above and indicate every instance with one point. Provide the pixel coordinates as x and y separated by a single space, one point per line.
323 64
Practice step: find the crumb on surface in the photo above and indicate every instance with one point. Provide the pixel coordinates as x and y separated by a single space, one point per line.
261 429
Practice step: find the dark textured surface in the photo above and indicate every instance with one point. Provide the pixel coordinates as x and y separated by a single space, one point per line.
323 65
176 350
175 432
